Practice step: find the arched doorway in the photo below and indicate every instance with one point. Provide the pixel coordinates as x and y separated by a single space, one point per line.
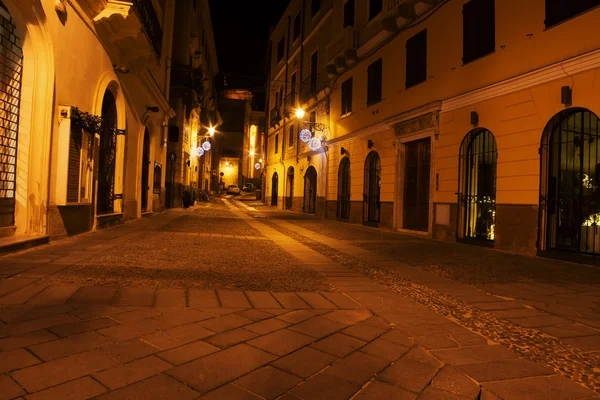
274 189
310 191
477 186
343 198
107 156
145 170
371 188
11 61
289 189
570 190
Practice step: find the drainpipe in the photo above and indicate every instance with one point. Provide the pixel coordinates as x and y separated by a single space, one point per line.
267 119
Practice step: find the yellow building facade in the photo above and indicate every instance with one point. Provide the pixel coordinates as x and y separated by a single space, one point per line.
463 120
90 126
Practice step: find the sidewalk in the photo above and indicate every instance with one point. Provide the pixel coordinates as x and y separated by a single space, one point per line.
363 341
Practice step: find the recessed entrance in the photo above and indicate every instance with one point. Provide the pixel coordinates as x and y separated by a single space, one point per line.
416 185
107 156
274 189
570 190
477 186
371 189
11 62
145 170
290 189
310 191
343 199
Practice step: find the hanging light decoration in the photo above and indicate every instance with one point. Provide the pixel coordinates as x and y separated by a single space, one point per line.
199 151
257 166
305 135
206 146
314 144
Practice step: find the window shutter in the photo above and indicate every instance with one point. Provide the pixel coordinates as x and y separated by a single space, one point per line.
487 27
74 167
469 31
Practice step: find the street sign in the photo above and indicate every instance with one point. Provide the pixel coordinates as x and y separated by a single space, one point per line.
222 173
172 156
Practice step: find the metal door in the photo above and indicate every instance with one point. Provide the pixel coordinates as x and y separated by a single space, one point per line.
310 191
108 155
571 203
372 187
11 63
416 185
477 185
343 203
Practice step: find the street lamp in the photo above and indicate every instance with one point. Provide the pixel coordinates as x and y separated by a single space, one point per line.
211 131
299 113
251 153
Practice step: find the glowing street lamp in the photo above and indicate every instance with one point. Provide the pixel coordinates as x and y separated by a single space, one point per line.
211 131
251 153
299 113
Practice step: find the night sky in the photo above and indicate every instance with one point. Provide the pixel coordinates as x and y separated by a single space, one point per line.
241 31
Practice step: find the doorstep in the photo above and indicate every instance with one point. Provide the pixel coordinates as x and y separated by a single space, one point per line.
147 214
11 244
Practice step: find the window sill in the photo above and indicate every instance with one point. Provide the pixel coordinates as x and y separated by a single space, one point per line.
372 103
478 58
374 18
344 116
412 85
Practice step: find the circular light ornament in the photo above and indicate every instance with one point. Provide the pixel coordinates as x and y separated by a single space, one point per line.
305 135
199 151
314 144
206 146
257 166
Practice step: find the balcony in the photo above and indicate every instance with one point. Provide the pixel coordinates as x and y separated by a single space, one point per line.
341 52
129 30
188 77
274 116
309 89
402 12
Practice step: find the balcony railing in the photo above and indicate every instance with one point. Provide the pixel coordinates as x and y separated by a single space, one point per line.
184 76
147 15
275 116
309 88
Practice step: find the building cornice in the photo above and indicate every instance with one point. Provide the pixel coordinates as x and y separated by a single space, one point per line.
429 108
566 68
369 130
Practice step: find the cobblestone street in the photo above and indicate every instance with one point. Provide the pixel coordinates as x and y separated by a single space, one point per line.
232 300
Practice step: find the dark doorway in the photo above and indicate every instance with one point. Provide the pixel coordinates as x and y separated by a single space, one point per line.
570 194
145 170
107 156
477 186
274 189
343 200
11 62
416 185
310 191
290 189
371 189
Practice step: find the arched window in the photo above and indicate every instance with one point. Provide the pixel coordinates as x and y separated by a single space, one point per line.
343 199
274 189
310 190
372 186
570 190
11 63
477 186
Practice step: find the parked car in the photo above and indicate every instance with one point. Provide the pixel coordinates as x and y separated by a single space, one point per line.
248 187
233 189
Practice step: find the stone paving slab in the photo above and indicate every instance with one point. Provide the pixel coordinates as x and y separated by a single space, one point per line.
262 345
